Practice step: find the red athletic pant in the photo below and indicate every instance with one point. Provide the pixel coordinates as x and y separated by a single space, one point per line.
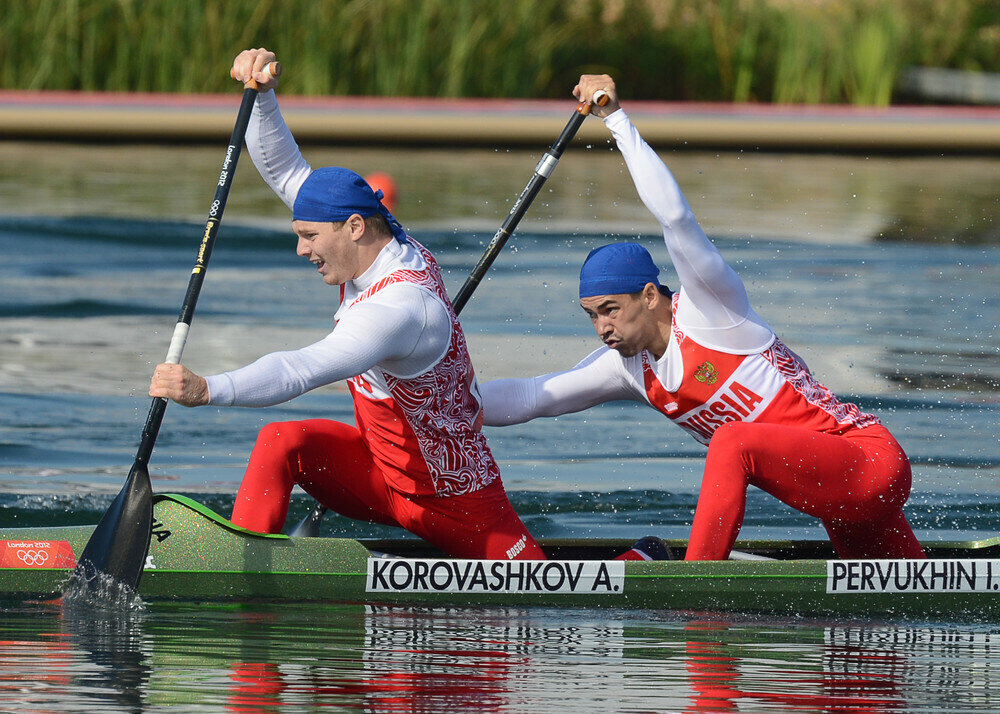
856 484
332 463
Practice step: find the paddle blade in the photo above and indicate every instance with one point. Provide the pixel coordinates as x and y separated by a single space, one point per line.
120 543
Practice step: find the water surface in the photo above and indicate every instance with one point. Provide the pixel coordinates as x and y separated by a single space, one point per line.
882 272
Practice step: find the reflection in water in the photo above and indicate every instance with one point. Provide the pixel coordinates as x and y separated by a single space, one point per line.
116 667
953 668
723 679
256 687
271 658
70 659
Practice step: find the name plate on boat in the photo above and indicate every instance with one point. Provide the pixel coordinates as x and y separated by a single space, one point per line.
585 577
944 575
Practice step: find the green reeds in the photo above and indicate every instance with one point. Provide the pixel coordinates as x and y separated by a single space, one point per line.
804 51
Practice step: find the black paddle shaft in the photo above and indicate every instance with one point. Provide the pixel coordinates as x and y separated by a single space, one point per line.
120 543
159 405
545 167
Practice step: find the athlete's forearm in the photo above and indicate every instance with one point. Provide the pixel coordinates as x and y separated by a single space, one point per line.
709 282
594 381
386 330
657 187
273 150
507 401
274 378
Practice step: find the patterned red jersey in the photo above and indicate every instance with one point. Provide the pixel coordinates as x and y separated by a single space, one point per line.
426 431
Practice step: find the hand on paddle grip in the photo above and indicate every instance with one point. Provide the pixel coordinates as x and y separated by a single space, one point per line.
603 98
257 69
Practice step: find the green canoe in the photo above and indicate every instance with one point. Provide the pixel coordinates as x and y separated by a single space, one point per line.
195 554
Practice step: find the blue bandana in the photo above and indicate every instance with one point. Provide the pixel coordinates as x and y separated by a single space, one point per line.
617 269
334 194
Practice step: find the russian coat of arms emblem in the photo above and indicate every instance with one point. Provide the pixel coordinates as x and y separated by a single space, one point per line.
706 373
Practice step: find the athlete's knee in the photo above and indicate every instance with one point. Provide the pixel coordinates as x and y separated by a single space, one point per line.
284 436
730 454
899 481
731 440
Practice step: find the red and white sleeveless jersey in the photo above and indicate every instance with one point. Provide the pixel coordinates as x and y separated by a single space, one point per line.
426 431
771 386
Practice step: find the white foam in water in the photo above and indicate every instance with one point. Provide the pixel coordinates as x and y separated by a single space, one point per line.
102 592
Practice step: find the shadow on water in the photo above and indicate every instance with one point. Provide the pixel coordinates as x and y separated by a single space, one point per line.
925 209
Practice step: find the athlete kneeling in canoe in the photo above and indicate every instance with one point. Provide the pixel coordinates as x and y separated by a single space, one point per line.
707 361
417 458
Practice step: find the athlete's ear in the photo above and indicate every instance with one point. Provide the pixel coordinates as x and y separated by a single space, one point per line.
651 295
356 225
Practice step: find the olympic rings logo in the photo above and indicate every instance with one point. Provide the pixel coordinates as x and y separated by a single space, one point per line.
33 557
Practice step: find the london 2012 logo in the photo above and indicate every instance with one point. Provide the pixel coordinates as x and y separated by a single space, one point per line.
33 557
706 373
36 554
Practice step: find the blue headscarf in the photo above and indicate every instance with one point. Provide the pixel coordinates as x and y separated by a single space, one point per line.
334 194
618 269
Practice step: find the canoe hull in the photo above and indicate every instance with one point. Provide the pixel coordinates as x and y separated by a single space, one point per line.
195 554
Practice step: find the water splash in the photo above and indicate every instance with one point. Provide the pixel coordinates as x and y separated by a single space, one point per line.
100 592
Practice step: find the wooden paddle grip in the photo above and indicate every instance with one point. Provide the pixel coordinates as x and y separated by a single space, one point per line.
271 68
600 99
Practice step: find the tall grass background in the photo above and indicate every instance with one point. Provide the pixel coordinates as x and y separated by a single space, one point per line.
788 51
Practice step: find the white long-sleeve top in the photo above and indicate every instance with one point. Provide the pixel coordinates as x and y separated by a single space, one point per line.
402 328
713 309
272 147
